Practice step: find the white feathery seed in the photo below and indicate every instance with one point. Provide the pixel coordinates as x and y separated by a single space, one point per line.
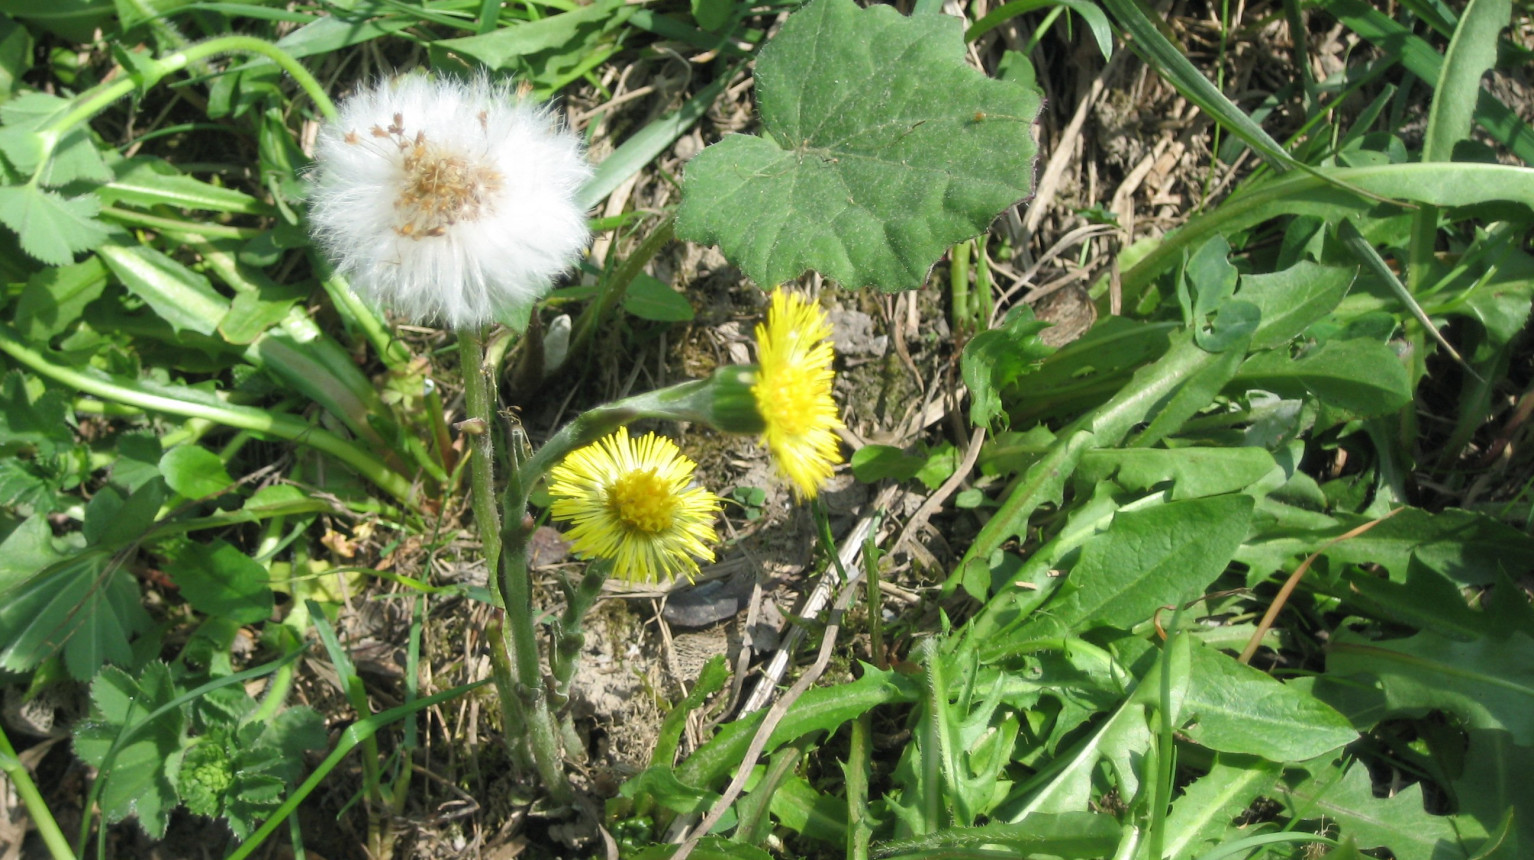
445 200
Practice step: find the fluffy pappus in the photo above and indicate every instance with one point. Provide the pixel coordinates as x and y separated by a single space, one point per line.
447 200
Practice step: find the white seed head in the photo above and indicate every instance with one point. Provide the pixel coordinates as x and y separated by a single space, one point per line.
448 200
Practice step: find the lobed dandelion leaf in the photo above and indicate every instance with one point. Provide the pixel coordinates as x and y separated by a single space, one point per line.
881 147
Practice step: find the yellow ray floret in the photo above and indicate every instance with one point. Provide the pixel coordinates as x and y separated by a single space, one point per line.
628 501
793 392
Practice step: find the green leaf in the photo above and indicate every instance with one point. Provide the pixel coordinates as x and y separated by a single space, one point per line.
660 784
1064 834
135 781
138 460
819 709
15 55
1207 810
149 182
52 227
882 147
1150 558
651 299
1488 682
1494 782
996 358
1193 472
872 463
255 311
1292 299
709 848
112 521
75 20
1238 709
205 775
55 297
645 145
87 605
30 422
26 550
194 472
1346 802
1123 740
73 157
712 14
548 52
180 296
1361 376
218 579
1440 184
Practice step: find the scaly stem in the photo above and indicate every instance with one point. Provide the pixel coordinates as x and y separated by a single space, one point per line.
532 698
571 634
679 402
32 799
481 409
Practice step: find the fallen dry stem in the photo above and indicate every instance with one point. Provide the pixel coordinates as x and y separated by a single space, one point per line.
1294 580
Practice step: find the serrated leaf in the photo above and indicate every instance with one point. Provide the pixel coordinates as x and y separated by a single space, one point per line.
52 228
180 296
1489 682
218 579
1361 376
205 775
135 780
997 358
1194 472
24 422
1208 807
73 157
86 605
1122 741
1399 822
819 709
1150 558
30 486
1238 709
881 148
1495 781
1292 299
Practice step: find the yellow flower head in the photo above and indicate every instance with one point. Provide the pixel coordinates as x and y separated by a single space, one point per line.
793 392
629 501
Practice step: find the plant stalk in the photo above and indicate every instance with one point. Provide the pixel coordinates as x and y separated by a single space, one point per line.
480 405
32 799
133 393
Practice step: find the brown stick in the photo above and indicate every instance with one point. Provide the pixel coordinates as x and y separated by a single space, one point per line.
1294 580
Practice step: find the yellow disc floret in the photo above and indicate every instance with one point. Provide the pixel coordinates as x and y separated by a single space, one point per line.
629 501
793 392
